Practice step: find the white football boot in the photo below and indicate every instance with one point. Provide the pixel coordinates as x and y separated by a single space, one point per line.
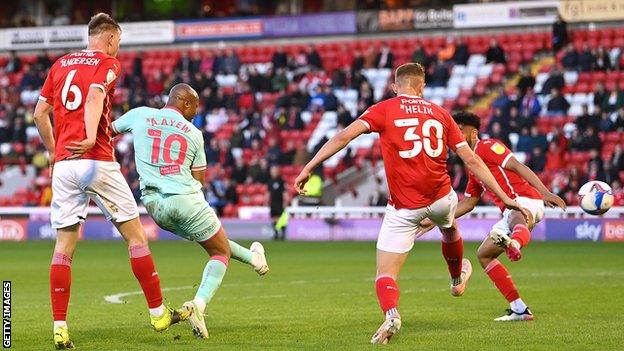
258 258
513 316
387 329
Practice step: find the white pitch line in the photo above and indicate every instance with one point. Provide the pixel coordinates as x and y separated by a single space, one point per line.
116 298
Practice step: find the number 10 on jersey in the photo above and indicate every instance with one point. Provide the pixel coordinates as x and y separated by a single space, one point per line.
156 134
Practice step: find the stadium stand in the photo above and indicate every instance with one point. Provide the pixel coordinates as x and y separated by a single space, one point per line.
266 106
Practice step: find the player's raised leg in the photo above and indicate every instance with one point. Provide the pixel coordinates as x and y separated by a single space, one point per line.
254 256
218 247
498 274
520 236
60 283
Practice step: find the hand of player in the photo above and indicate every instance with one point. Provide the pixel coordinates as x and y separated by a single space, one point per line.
551 200
79 148
424 226
301 181
513 205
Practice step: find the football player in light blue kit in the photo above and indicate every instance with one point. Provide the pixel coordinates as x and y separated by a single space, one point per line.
170 159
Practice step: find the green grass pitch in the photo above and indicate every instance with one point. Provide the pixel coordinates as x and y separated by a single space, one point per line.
320 296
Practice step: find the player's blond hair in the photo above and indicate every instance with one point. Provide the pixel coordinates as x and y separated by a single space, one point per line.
406 73
102 22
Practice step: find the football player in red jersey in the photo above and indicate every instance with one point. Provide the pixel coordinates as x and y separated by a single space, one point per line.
513 231
79 91
414 134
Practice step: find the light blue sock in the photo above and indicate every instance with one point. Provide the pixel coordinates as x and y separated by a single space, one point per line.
240 253
211 280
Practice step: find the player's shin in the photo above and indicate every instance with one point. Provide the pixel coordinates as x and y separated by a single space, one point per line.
453 252
145 272
60 283
502 279
240 253
521 235
211 280
388 295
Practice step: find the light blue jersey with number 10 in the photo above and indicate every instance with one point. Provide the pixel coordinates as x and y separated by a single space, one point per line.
166 146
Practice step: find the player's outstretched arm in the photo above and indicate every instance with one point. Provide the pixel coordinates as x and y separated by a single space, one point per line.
551 200
44 126
480 170
94 105
331 147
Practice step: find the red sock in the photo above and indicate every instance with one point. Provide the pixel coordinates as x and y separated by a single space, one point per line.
502 279
521 234
60 283
453 254
387 292
145 272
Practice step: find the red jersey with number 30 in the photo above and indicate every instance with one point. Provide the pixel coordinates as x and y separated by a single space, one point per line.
496 155
414 136
66 88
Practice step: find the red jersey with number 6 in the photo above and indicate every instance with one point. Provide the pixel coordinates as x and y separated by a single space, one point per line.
495 155
414 136
66 88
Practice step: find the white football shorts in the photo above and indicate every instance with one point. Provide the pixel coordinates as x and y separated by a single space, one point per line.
535 206
399 227
75 182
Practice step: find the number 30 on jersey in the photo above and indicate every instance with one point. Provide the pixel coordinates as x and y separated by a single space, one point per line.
430 129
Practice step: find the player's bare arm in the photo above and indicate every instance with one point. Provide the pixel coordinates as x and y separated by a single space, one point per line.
551 200
480 170
44 126
200 176
335 144
93 112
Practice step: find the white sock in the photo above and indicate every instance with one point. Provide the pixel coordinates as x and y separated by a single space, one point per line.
60 324
158 311
392 313
201 304
518 305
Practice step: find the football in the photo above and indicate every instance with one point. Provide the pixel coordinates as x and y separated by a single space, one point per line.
595 197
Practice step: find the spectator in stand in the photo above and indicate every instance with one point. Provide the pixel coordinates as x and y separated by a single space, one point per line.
275 187
302 156
570 59
14 63
617 158
594 157
576 140
502 101
279 81
230 63
260 171
613 101
618 123
344 117
605 124
497 117
515 123
448 51
538 139
526 81
495 53
279 59
461 52
554 81
239 171
340 77
231 196
385 58
557 105
274 152
525 142
206 63
559 34
586 59
618 193
529 108
603 61
313 58
501 134
459 179
440 74
43 61
215 193
331 101
30 78
420 56
537 161
600 94
137 64
212 152
591 139
19 131
317 99
365 94
287 157
595 172
586 119
554 158
187 64
358 62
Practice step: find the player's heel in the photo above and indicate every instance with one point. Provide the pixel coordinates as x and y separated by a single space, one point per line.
503 241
